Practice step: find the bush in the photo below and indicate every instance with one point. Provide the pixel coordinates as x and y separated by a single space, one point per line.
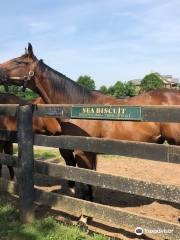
151 81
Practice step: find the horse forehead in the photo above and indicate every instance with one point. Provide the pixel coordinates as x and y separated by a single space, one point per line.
12 62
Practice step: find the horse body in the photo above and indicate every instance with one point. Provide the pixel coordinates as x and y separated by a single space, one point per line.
144 131
40 125
124 130
56 88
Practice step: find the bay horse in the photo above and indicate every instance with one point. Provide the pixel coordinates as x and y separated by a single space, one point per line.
40 125
55 88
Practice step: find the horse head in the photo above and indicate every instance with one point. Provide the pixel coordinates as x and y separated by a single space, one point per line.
20 71
23 71
51 85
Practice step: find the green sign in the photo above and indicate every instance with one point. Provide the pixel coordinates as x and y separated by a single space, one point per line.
106 112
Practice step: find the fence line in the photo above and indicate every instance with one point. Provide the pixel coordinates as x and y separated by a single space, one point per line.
148 113
158 191
156 113
25 163
99 211
151 151
169 193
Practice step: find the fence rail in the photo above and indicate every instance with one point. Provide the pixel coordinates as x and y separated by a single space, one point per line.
147 151
165 153
156 113
170 193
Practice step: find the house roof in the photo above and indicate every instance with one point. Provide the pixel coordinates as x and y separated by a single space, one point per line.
136 82
167 79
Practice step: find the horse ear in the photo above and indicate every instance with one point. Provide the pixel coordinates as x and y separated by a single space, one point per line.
30 50
26 51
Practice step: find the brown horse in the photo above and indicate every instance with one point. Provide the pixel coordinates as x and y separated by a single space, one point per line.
54 87
40 125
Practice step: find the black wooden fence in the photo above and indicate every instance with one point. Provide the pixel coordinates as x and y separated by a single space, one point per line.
28 194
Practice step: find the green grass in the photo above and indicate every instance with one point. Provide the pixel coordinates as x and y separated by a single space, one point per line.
42 152
42 229
46 153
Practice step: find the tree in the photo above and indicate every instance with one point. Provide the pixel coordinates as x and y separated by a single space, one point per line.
111 91
130 89
103 89
87 82
119 89
151 81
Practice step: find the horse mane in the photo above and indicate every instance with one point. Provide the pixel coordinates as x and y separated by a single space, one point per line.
62 84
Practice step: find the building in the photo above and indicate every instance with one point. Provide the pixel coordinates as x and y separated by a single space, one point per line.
136 82
169 81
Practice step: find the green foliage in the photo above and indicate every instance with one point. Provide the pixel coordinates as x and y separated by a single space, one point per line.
103 89
110 91
16 90
119 89
2 90
87 82
41 229
30 95
151 81
42 153
130 89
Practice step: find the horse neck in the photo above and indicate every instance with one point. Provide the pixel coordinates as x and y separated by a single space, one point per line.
54 87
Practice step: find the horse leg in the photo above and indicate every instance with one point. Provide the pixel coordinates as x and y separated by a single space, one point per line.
85 160
8 149
70 161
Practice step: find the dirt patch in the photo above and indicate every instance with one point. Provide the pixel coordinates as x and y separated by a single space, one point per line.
146 170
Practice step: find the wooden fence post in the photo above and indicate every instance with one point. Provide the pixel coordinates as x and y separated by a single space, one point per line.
25 163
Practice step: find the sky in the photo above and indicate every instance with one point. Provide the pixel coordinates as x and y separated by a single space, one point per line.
109 40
